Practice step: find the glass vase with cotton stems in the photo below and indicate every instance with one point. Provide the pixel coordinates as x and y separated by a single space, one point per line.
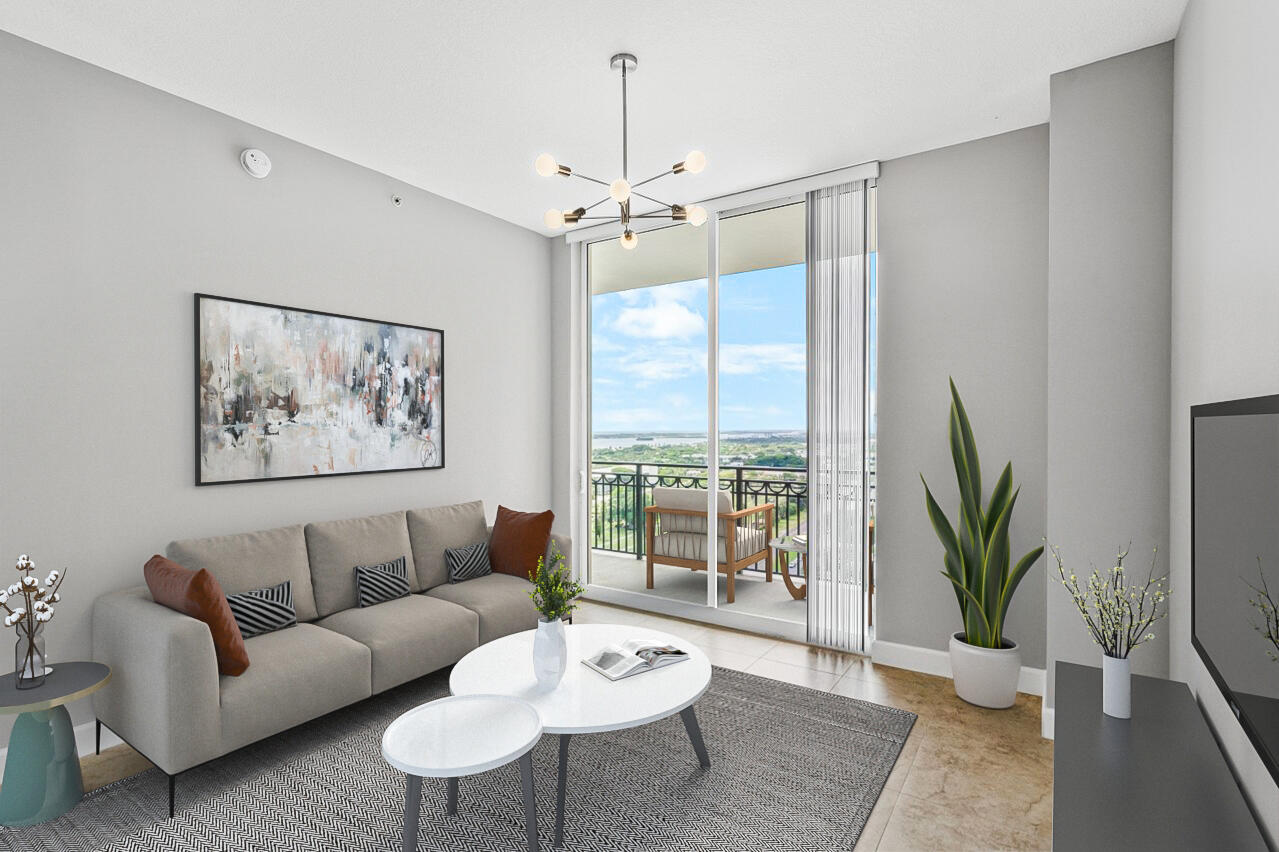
28 607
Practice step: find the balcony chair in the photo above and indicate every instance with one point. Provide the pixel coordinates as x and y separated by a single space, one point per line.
676 532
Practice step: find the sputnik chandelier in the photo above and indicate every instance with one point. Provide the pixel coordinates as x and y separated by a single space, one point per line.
622 190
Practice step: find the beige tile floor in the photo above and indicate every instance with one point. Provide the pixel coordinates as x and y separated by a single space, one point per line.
967 779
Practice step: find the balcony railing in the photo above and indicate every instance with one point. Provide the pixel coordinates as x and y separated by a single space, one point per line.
621 490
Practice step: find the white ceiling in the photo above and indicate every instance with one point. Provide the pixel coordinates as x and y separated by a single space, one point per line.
459 97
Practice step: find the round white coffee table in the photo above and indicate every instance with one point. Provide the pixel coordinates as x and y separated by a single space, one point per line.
462 735
586 702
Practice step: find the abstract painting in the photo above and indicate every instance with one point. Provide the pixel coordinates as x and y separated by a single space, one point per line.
284 393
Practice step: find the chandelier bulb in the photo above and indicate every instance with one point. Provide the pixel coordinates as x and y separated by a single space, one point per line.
695 214
629 239
694 162
554 219
546 165
619 190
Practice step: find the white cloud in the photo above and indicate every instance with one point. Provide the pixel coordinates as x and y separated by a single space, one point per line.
739 359
671 311
656 364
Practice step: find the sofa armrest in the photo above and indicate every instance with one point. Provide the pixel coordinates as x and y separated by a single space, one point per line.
164 698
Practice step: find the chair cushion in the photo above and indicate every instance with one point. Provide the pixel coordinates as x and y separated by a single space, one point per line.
197 594
248 561
519 539
501 601
297 674
687 545
408 637
691 500
336 547
433 530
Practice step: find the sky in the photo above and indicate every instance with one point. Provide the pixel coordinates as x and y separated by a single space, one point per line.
648 355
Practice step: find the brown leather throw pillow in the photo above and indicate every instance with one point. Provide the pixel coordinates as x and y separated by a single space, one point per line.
199 595
518 539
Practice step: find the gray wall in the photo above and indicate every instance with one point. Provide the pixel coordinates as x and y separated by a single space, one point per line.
963 260
118 202
1109 291
1225 302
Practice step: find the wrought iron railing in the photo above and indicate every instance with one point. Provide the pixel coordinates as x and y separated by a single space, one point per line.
621 490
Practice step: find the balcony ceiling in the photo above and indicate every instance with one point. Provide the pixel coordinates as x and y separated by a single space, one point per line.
458 98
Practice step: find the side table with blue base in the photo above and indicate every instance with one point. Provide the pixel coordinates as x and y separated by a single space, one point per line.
42 769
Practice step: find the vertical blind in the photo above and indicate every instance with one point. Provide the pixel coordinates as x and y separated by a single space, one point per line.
837 425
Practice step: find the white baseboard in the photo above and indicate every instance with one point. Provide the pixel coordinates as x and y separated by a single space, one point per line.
1046 719
83 741
931 661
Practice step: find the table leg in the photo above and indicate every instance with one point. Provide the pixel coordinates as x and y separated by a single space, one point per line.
412 809
695 734
42 769
559 790
530 801
451 806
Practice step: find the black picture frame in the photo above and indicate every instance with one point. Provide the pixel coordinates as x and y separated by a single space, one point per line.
1230 408
198 433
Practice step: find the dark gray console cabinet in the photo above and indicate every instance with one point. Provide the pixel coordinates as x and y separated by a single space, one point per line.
1156 781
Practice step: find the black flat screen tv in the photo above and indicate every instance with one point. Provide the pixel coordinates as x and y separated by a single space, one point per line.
1234 569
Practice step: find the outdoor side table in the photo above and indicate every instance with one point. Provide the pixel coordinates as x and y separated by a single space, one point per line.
788 544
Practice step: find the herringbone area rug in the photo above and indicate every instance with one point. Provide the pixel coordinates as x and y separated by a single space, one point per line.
792 769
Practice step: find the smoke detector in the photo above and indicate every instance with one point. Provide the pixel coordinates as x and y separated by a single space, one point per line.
255 162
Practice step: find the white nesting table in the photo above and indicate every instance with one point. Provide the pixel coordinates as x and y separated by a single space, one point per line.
586 702
462 735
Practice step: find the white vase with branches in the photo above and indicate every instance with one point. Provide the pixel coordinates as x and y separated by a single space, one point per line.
1118 615
28 606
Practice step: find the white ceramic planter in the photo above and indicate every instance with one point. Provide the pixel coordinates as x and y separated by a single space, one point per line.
1116 687
550 653
986 677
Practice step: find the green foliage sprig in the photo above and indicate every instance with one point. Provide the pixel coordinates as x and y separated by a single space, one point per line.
1118 614
1265 605
554 592
977 558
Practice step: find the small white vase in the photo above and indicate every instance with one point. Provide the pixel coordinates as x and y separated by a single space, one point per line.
550 653
1116 687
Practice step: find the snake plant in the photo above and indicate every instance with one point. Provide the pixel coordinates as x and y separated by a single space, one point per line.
977 557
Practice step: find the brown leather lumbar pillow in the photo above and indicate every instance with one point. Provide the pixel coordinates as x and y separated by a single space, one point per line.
198 594
518 539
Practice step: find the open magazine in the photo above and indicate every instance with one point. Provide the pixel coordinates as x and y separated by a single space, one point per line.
633 657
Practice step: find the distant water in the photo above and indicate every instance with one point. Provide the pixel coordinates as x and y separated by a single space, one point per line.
615 440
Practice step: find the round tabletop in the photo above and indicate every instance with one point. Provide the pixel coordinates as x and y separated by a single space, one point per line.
585 701
789 544
461 735
65 683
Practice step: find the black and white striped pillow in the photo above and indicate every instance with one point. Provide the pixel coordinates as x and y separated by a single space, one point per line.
467 563
263 610
375 584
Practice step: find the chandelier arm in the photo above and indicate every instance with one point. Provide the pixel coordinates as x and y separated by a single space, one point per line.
591 179
653 178
597 204
649 198
601 218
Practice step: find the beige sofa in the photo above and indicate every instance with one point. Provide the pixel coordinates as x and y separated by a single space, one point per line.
166 698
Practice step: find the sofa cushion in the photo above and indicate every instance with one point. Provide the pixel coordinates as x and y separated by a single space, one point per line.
408 637
197 594
298 673
336 547
375 584
264 610
519 539
432 530
248 561
501 601
467 563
